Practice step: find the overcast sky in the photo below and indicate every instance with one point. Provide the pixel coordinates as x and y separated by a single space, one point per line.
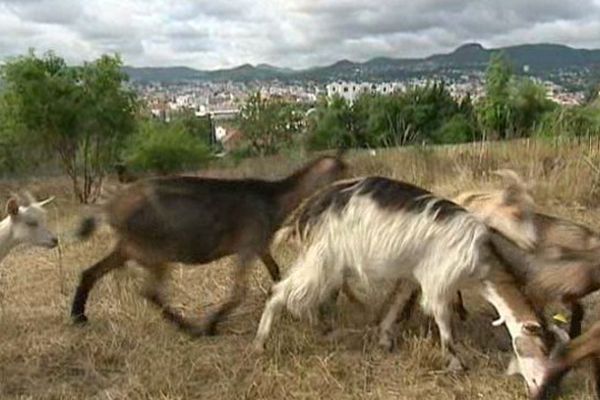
294 33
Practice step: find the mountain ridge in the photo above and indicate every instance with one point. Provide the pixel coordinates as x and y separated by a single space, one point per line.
539 57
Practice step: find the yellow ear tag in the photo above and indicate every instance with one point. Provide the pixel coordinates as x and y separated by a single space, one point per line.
560 318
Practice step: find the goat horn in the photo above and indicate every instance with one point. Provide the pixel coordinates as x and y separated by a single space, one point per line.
47 201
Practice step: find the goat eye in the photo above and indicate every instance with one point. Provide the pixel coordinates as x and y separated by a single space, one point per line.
32 224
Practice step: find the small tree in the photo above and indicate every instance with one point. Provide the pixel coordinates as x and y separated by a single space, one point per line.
528 104
269 124
81 113
199 127
165 147
494 113
330 125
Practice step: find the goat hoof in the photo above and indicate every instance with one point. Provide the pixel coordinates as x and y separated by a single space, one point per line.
210 330
194 331
258 348
79 319
386 343
455 366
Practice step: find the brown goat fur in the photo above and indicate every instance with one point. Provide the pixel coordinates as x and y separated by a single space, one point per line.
196 220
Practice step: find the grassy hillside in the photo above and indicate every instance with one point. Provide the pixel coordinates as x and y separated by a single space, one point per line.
127 351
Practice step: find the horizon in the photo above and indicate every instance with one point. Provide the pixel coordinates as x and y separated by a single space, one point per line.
208 35
361 61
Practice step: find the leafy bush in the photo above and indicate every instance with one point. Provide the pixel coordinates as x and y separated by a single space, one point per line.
457 129
329 125
83 114
571 122
375 120
269 124
165 148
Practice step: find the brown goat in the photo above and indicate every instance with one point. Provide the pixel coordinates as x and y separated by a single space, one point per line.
557 260
564 265
195 221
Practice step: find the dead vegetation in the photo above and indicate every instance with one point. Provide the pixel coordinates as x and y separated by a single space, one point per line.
127 351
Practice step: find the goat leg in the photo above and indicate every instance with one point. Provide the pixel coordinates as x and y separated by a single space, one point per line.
386 340
88 279
596 376
406 312
155 294
352 296
459 307
272 266
443 318
326 313
237 294
577 314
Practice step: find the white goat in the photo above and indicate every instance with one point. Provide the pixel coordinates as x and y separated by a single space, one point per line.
384 230
25 224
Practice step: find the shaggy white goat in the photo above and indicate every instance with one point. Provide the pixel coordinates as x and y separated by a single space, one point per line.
384 230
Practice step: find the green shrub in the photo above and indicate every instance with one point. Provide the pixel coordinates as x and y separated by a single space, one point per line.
457 129
570 122
165 148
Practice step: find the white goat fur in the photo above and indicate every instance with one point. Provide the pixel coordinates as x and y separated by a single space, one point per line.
442 253
378 244
25 224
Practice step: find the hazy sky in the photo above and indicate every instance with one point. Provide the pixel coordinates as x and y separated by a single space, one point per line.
295 33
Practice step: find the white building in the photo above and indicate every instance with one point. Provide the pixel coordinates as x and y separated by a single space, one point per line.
349 91
220 133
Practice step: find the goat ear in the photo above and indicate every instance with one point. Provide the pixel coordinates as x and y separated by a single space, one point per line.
12 207
532 328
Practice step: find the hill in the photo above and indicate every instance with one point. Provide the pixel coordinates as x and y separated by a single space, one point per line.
541 58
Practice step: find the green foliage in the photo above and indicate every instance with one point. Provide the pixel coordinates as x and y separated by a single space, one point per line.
163 148
199 127
528 104
494 112
570 122
457 129
512 107
373 120
330 125
81 113
268 125
12 146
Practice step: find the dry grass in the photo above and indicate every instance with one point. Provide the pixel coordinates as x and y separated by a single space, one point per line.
127 351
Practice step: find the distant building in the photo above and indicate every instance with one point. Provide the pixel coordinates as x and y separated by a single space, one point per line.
220 133
349 91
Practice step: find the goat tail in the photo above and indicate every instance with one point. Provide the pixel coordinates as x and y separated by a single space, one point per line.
89 223
87 227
